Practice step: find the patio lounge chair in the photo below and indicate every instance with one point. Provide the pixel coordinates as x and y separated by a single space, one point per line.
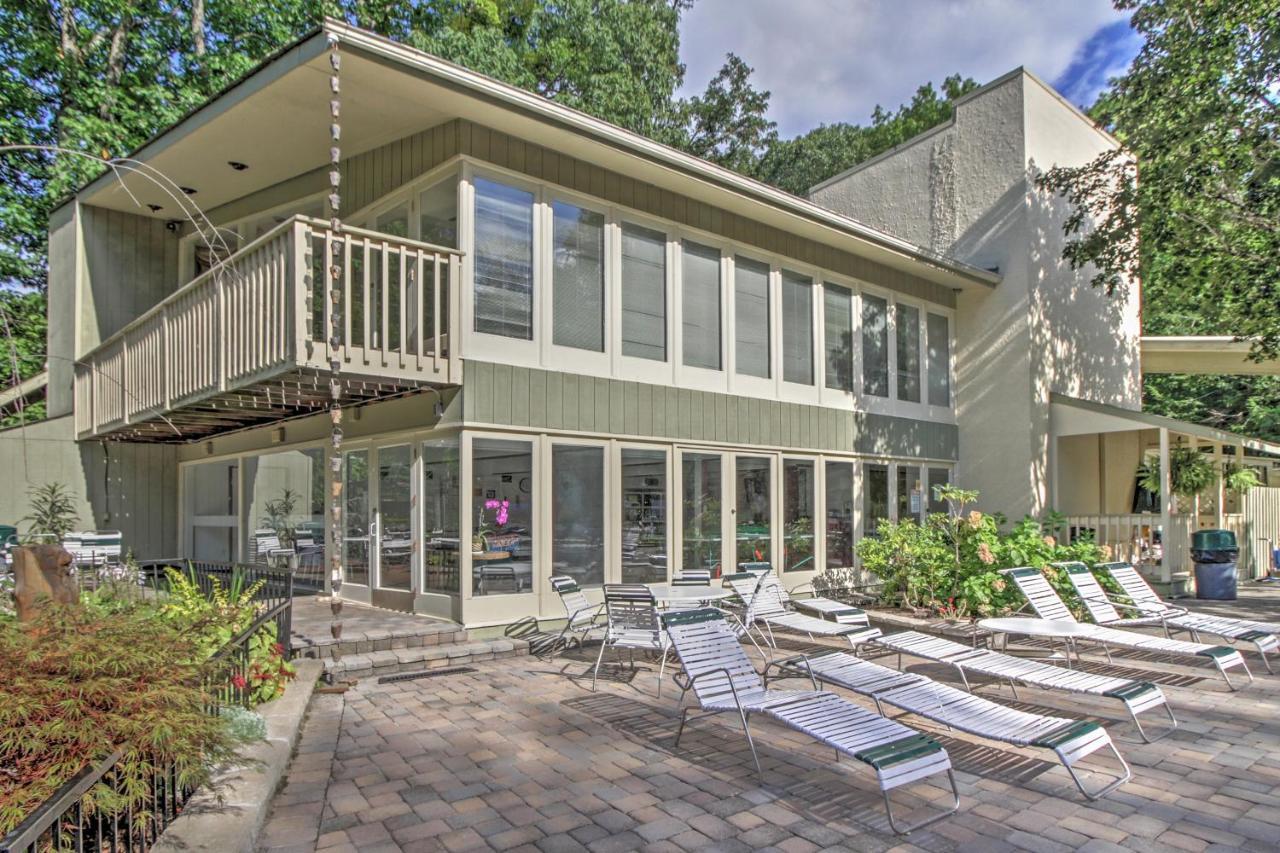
763 599
94 548
1045 601
633 624
1070 740
824 608
581 614
1145 601
1137 696
722 678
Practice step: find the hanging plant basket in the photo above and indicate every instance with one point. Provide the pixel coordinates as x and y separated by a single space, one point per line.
1190 473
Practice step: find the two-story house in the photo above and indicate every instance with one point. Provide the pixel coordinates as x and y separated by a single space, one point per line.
564 348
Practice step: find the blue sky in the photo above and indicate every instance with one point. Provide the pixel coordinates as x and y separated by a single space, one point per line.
834 60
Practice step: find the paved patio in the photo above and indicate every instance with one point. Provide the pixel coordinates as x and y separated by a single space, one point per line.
519 754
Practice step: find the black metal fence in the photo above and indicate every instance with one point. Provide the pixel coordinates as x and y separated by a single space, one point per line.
66 822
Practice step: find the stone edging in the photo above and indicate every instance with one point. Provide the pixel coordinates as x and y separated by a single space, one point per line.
232 825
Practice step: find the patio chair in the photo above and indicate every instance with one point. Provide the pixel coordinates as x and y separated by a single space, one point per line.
1070 740
633 624
764 604
94 548
1136 696
815 605
1048 605
496 579
723 680
1149 604
581 614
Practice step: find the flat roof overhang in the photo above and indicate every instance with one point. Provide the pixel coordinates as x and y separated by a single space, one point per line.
1205 355
276 121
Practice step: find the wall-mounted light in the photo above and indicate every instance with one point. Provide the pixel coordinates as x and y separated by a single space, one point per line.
187 190
155 208
237 165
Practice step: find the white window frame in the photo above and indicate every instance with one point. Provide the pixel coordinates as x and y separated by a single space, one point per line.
558 357
615 512
796 392
745 384
626 366
700 378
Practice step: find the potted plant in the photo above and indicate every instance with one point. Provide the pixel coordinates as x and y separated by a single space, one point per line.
1238 479
52 511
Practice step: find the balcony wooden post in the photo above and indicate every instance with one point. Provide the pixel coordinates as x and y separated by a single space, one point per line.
1166 510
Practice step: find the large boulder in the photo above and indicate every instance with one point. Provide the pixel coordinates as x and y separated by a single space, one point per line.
42 574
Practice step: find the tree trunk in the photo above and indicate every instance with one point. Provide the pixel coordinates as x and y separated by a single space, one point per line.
43 574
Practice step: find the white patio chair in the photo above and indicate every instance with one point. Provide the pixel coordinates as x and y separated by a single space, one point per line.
722 679
581 614
1070 740
694 577
1136 696
764 605
1048 605
633 624
1145 601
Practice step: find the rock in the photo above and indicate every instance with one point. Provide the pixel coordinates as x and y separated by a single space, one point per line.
42 574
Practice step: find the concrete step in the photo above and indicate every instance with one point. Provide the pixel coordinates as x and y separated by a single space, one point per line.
423 657
366 642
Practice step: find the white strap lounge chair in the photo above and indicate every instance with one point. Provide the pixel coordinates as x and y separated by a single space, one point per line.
582 616
1137 696
722 678
1048 605
633 624
1147 602
764 605
1070 740
95 547
815 605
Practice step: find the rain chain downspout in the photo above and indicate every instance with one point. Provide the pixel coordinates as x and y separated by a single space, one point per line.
334 267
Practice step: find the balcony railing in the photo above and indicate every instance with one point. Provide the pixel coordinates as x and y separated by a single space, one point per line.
248 341
1137 538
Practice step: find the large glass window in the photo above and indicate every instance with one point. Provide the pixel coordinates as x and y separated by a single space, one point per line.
751 317
502 516
797 328
939 360
907 320
577 283
838 325
503 260
395 517
357 540
910 493
839 514
644 516
755 515
797 515
700 323
437 224
285 499
700 513
937 477
209 493
875 346
644 293
577 513
875 489
441 496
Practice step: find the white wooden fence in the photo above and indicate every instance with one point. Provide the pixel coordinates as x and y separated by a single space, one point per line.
263 312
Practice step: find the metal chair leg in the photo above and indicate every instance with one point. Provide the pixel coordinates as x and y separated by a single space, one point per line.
907 830
596 673
1142 732
1105 789
751 743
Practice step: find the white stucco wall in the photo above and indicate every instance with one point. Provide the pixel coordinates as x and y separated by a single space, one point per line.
967 189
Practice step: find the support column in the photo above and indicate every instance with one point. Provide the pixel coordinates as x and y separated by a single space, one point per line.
1166 508
1222 489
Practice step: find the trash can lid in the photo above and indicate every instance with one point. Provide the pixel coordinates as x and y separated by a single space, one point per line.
1213 540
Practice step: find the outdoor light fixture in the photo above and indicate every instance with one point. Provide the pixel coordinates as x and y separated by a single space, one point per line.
187 190
155 208
237 165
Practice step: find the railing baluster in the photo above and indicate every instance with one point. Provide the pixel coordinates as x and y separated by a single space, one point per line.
401 338
366 340
437 342
346 295
418 296
383 283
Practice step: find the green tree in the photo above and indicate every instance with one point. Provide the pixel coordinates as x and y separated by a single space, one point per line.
22 350
1198 115
799 163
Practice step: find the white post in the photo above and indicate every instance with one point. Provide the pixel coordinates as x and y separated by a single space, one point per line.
1166 508
1219 520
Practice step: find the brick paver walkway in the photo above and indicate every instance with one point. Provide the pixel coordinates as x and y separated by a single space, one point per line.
521 755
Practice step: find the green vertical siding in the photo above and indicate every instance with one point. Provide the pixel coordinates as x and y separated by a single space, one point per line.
495 394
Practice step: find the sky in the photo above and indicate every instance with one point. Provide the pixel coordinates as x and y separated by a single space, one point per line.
834 60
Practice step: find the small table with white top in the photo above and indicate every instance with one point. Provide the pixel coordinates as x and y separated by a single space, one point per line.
1066 630
665 593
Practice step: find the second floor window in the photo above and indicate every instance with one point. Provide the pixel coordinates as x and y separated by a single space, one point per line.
875 346
503 260
908 336
644 293
751 317
939 344
701 306
797 328
838 322
577 281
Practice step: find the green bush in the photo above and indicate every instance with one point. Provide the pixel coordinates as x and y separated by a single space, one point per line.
950 564
75 684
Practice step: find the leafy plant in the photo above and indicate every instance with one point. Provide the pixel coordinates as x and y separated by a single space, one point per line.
1190 473
279 516
1238 479
53 511
75 685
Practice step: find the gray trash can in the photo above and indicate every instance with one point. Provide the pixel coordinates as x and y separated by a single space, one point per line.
1214 553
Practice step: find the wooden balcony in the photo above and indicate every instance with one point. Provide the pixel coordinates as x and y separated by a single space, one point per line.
246 342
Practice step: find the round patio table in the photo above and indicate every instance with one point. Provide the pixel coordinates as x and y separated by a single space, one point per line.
1066 630
667 594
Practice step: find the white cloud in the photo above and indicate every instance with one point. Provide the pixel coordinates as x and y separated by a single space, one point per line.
834 60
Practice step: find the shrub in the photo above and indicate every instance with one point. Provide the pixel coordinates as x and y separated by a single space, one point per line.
951 564
53 511
76 684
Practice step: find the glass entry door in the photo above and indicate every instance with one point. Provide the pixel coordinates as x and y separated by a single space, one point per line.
378 547
728 510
